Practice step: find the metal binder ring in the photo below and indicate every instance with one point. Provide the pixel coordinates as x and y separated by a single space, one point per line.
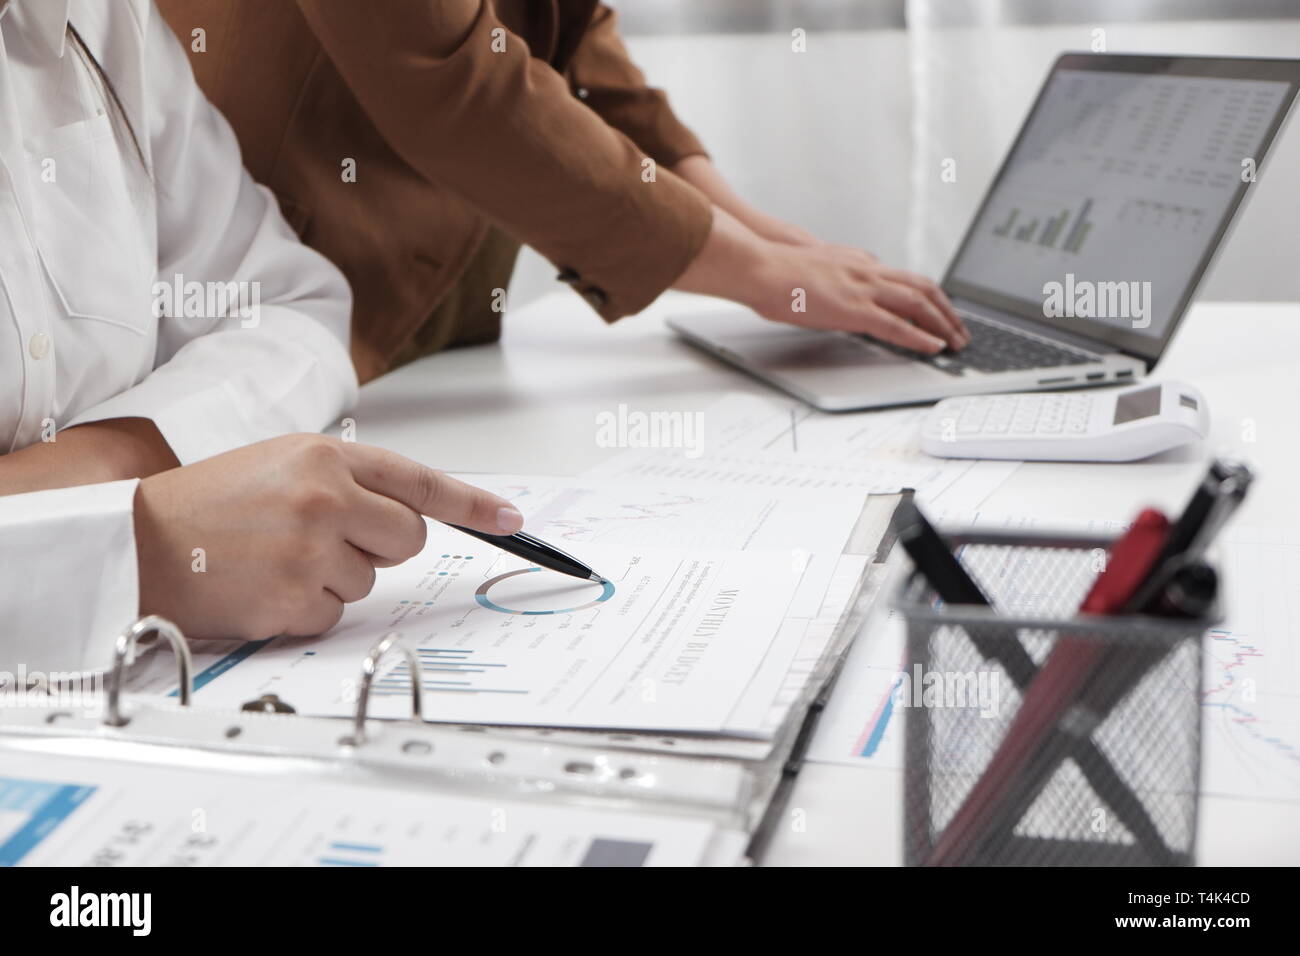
368 669
122 650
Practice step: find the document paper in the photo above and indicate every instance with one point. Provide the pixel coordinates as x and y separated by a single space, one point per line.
669 643
61 811
802 532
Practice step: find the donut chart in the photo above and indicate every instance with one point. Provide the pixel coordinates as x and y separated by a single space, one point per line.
481 596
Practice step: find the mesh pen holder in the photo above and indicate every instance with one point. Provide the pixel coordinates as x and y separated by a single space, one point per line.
1115 780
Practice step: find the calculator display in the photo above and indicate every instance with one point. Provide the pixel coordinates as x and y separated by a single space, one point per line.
1143 403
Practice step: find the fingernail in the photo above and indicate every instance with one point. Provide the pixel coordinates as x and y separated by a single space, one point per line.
509 520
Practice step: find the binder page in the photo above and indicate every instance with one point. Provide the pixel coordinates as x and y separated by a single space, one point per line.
807 529
60 811
670 642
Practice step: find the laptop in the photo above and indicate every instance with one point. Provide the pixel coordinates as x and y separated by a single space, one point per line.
1085 252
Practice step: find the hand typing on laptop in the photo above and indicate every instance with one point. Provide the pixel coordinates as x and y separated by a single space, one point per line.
1069 275
823 286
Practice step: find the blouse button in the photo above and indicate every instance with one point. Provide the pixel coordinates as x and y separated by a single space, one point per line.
38 346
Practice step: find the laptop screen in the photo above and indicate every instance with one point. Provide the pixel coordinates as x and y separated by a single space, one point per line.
1115 195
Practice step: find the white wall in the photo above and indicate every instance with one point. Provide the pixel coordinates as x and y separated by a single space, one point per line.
847 138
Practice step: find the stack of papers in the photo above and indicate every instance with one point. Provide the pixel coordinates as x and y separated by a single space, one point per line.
729 580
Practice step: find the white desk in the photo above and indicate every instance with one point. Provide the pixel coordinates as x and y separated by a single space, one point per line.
530 406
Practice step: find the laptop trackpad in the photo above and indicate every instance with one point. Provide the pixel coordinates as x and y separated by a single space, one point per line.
831 369
808 349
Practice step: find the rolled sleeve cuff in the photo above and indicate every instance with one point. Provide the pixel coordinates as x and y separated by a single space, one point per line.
195 425
71 583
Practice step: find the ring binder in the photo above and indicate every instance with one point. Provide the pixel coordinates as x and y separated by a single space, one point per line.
267 704
368 669
725 783
124 648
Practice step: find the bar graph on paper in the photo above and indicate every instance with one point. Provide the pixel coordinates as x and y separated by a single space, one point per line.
863 721
351 853
447 670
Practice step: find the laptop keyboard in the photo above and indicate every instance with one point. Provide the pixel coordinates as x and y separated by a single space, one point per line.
994 348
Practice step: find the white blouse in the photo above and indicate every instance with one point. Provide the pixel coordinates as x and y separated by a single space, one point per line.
96 243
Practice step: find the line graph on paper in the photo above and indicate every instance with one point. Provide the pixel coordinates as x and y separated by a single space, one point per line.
583 515
1252 732
1251 697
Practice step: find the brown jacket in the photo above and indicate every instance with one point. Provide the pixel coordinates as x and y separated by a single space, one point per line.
459 116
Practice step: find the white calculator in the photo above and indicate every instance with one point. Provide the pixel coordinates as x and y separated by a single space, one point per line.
1118 425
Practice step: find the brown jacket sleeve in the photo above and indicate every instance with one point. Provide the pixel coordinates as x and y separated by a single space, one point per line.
617 90
460 99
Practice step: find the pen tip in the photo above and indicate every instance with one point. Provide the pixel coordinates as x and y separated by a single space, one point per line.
598 579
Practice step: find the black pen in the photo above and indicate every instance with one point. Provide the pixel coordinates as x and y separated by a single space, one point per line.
1218 495
939 566
537 551
935 560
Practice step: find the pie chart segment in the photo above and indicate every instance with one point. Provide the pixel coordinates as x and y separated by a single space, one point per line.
520 592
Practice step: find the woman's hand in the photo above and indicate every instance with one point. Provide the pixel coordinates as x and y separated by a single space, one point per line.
290 529
822 286
849 290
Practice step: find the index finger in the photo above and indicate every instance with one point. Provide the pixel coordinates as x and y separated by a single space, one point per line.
429 491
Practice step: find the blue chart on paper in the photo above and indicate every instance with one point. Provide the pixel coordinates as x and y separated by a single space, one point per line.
30 810
481 595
